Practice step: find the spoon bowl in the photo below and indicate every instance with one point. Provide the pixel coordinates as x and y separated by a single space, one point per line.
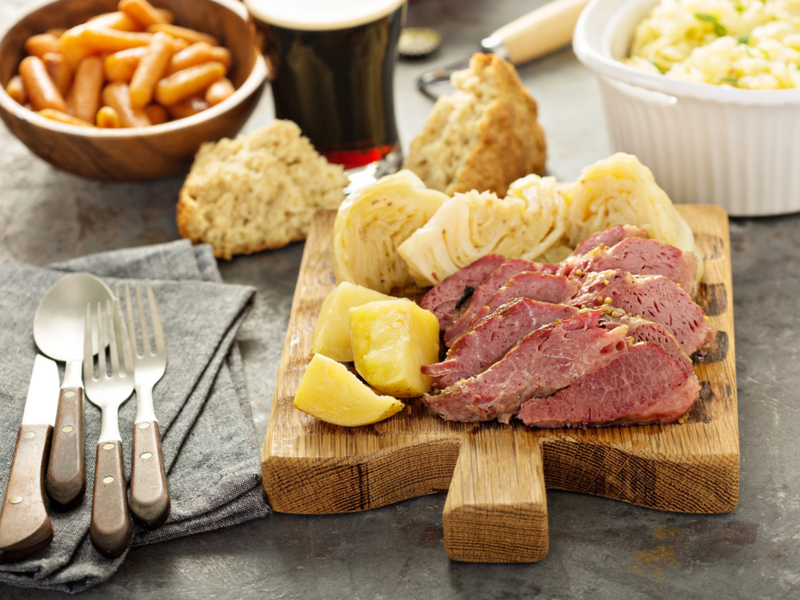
58 328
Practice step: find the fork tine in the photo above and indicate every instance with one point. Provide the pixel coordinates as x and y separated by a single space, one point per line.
112 338
158 332
88 360
143 322
101 354
123 342
131 324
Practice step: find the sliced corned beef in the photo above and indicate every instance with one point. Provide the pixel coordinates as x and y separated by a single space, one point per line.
644 330
640 257
653 297
609 237
643 385
483 294
441 300
492 337
541 363
555 289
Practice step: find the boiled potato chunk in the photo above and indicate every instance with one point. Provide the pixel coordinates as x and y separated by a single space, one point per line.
391 340
331 335
331 393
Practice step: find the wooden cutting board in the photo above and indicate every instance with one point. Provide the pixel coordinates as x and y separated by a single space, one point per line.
495 475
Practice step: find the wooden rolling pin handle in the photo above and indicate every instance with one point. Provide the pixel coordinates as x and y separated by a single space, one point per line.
149 494
541 31
66 471
25 527
110 530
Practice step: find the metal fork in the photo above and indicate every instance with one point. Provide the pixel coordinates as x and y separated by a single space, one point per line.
110 529
149 494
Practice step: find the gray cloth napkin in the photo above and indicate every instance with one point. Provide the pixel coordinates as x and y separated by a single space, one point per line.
208 438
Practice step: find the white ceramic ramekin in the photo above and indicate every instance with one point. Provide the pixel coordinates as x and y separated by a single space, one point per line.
705 144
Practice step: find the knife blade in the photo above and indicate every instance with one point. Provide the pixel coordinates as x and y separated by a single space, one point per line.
25 526
532 35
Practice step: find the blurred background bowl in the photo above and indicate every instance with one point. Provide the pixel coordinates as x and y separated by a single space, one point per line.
146 152
705 144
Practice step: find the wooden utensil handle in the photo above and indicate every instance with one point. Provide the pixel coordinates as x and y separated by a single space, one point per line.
25 527
66 471
110 530
541 31
149 493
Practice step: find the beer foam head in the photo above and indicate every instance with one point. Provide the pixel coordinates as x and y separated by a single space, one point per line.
321 15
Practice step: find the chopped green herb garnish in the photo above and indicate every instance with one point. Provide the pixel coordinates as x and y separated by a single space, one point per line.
737 4
731 80
663 72
743 39
719 28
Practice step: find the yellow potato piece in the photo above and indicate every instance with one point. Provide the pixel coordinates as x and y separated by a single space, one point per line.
331 335
391 340
331 393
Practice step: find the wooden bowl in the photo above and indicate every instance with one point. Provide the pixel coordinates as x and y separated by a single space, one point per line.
145 152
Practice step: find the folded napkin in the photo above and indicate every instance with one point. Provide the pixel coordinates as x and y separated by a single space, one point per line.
208 438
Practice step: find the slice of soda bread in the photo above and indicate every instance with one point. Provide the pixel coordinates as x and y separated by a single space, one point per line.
257 191
484 136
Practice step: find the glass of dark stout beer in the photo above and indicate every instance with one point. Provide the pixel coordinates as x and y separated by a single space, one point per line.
331 64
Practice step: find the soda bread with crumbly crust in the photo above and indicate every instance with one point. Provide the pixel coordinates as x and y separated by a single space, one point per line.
258 191
482 137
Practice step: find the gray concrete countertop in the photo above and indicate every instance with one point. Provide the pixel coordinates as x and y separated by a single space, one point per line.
599 548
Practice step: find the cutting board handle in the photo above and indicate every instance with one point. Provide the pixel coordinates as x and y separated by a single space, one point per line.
496 507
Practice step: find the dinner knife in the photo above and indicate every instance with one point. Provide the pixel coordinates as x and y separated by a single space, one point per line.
25 526
533 35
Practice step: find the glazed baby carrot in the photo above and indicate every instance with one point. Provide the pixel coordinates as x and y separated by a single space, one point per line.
188 107
188 82
190 35
41 44
169 16
16 89
74 48
116 96
150 70
59 69
56 32
105 39
156 113
218 91
61 117
142 11
42 92
84 97
107 118
121 65
197 54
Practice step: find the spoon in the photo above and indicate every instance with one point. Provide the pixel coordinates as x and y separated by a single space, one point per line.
58 331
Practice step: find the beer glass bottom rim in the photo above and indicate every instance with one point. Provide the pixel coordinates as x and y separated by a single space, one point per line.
363 176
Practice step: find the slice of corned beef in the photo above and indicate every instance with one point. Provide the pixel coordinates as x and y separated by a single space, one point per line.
492 337
643 330
483 294
643 385
543 362
555 289
609 237
652 297
640 257
442 299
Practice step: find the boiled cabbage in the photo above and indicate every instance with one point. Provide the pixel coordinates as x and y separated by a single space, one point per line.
373 222
621 190
529 223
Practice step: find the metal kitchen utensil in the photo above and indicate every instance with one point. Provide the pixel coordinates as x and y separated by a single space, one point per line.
110 529
149 494
58 331
25 527
533 35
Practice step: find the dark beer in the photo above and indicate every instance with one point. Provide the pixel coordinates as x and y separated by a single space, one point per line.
336 83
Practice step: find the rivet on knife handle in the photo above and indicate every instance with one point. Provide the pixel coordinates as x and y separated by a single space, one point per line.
66 471
149 494
25 527
110 530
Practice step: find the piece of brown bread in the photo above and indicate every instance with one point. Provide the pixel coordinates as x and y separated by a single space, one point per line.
482 137
257 191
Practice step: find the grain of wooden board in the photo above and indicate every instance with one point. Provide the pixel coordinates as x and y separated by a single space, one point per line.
496 475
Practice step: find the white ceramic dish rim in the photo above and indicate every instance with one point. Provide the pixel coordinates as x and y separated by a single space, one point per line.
254 80
598 30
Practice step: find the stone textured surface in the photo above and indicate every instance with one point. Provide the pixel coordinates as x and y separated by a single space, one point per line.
598 548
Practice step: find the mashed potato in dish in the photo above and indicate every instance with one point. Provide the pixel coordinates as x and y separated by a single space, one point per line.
753 44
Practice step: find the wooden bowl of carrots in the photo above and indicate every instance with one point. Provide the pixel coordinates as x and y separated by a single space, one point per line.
128 94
